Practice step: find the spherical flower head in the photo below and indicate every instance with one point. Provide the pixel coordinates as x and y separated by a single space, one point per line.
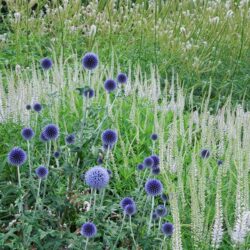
27 133
110 85
126 201
109 137
51 132
97 177
57 154
205 153
130 209
122 78
154 216
164 197
28 107
140 167
42 172
37 107
70 139
167 228
154 137
90 61
17 156
161 211
148 162
156 160
153 187
156 171
88 230
89 93
46 63
219 162
43 138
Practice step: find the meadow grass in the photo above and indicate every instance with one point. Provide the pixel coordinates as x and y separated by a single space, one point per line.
206 42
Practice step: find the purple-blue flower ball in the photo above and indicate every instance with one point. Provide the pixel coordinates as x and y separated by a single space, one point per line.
155 171
90 61
161 211
126 201
89 93
17 156
148 162
88 230
28 107
205 153
130 209
42 172
153 187
37 107
154 137
122 78
164 197
109 137
27 133
219 162
51 132
155 216
57 154
43 138
156 160
70 139
110 85
167 228
140 167
46 63
97 177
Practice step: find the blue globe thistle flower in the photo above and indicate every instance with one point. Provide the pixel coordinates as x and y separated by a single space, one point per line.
70 139
37 107
42 172
126 201
27 133
219 162
153 187
130 209
46 63
43 138
155 171
57 154
154 137
161 211
156 160
122 78
205 153
109 172
51 132
88 230
167 228
28 107
90 61
110 85
109 137
154 216
89 93
17 156
97 177
164 197
100 160
148 162
140 167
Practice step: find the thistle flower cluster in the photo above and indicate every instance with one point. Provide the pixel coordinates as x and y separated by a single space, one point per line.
128 205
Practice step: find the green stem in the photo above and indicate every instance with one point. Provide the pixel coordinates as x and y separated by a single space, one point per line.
132 232
123 220
87 241
94 201
151 213
20 186
30 170
163 241
38 192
